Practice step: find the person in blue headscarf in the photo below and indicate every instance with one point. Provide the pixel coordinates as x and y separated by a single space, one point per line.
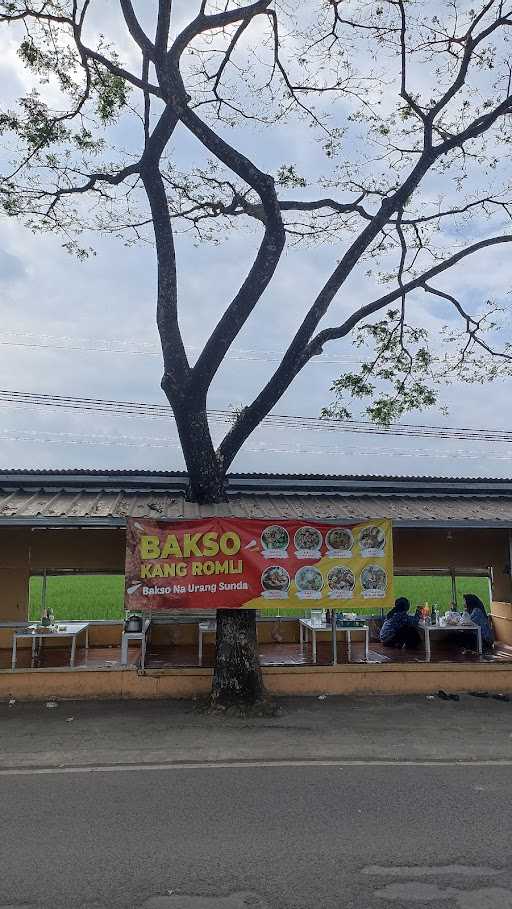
478 615
399 627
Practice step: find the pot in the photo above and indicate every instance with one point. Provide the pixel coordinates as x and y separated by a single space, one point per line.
133 624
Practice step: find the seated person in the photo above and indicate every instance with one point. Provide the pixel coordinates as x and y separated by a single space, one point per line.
478 615
398 629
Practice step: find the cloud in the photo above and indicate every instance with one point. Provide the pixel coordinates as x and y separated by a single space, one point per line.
112 296
11 268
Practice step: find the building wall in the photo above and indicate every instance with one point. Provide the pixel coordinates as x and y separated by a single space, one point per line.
389 679
14 574
457 549
83 550
24 551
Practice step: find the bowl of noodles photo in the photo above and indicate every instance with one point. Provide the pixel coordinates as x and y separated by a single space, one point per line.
374 581
339 542
309 583
308 543
275 541
275 581
372 541
341 582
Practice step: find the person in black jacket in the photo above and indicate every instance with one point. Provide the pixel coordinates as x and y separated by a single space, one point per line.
478 615
399 627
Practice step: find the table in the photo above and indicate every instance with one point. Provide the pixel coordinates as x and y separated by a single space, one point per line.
135 636
306 626
209 628
73 629
428 630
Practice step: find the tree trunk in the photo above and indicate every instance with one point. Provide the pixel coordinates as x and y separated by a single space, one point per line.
207 481
237 677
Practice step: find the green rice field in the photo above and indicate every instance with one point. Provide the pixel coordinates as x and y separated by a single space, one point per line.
96 596
101 596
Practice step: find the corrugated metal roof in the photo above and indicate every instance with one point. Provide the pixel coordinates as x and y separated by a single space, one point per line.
182 475
106 498
175 482
59 505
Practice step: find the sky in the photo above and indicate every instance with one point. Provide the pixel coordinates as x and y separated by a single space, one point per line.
87 329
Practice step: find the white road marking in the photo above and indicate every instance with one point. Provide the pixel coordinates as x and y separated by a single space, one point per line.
418 871
243 765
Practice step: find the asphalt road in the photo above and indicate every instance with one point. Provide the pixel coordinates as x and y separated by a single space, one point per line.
369 836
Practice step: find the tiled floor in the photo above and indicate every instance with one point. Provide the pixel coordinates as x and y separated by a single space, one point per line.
270 655
94 658
295 655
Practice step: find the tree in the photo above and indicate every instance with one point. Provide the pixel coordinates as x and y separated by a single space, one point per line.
411 103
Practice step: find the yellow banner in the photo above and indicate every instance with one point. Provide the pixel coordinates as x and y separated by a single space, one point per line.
236 563
356 571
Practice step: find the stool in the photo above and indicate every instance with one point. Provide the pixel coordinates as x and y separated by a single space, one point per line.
135 636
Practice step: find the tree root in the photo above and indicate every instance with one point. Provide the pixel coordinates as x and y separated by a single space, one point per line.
267 707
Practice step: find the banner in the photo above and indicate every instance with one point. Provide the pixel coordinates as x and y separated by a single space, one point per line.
230 563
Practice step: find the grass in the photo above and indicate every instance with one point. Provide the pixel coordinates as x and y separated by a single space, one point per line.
439 590
101 596
417 590
73 597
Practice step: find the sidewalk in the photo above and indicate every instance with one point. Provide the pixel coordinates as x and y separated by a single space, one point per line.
365 728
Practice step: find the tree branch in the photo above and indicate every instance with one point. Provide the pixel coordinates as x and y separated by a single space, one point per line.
473 326
176 366
265 263
163 26
111 179
29 13
288 369
404 93
117 70
203 23
331 334
136 31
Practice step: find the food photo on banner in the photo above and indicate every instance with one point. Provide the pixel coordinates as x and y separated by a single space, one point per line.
230 563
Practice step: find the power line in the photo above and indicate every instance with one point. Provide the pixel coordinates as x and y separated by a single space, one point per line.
143 348
126 441
277 421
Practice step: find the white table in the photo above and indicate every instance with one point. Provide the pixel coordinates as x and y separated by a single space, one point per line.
141 636
306 626
437 630
73 629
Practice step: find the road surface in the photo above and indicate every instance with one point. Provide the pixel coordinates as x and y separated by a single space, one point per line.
339 803
286 836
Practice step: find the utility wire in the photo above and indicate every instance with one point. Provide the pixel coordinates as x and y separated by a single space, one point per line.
63 438
145 348
278 421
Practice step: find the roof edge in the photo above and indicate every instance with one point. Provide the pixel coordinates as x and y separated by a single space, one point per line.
256 483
